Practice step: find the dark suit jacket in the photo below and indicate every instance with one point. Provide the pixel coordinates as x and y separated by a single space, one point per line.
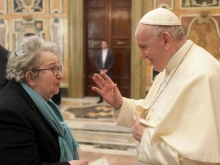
25 136
108 62
3 61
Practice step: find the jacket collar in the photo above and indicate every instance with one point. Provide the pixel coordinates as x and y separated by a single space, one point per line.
17 86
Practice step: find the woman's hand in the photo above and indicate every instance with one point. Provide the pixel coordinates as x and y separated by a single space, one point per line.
78 162
108 90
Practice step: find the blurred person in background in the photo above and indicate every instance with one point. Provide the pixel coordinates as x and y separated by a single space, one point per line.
105 61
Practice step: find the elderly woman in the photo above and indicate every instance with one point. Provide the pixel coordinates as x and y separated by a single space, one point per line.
32 129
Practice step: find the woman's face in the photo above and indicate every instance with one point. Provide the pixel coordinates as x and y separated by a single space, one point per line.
47 83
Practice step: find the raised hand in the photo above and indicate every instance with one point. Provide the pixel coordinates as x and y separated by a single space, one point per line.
108 90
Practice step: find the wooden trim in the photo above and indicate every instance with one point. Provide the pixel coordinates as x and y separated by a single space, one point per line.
138 65
76 53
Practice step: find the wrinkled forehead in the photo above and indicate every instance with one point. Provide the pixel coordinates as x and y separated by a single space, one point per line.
141 31
48 58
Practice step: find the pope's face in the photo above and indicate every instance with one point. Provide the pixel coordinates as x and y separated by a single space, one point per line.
47 82
151 47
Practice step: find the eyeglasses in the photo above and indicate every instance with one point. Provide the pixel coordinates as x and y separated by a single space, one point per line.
55 69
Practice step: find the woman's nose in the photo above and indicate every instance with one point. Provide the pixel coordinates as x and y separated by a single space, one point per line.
60 75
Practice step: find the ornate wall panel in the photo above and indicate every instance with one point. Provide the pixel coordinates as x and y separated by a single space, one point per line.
43 18
56 34
56 6
169 4
28 6
204 31
4 33
199 3
22 27
3 7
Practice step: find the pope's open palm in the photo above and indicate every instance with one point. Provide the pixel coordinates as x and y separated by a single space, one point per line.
108 90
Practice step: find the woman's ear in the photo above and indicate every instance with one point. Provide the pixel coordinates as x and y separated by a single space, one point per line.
167 40
30 78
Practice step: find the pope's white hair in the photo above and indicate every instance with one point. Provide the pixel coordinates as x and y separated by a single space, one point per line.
27 58
176 31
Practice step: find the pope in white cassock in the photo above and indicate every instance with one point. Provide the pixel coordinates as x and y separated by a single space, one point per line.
178 123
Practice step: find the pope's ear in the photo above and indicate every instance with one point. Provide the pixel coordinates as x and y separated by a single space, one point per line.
30 78
167 39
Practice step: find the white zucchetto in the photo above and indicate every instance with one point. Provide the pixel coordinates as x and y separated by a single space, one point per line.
160 16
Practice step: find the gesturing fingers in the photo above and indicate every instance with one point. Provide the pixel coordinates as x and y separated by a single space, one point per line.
99 81
106 78
102 80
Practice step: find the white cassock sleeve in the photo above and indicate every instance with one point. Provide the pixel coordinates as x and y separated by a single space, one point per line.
158 154
148 153
161 153
124 116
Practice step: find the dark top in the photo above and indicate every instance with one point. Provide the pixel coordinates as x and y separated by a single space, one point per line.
108 62
25 136
3 62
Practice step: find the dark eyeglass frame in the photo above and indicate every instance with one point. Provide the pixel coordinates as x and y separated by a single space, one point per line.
58 68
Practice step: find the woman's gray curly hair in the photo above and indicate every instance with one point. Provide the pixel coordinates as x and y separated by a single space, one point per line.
26 58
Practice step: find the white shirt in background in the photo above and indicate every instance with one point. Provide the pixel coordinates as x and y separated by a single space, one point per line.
104 55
